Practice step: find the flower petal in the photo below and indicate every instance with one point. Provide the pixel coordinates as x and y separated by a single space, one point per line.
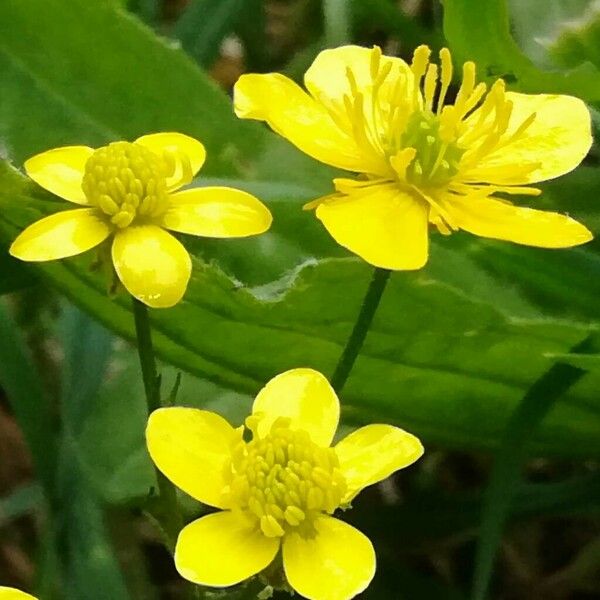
382 224
492 218
7 593
152 265
372 453
293 114
557 140
327 79
304 396
60 171
192 448
180 146
222 549
337 564
62 234
217 212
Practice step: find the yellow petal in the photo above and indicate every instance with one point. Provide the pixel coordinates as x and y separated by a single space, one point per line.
557 140
7 593
293 114
327 78
192 448
500 220
62 234
372 453
304 396
217 212
60 171
181 147
152 265
337 564
382 224
222 549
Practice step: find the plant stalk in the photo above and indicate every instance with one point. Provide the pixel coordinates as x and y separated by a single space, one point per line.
361 328
170 515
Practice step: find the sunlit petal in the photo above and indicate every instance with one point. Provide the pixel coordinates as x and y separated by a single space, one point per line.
192 447
382 224
7 593
62 234
336 564
492 218
304 396
60 171
293 114
153 266
327 77
554 144
217 212
188 153
372 453
222 549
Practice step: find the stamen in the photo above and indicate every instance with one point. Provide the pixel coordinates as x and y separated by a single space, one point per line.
430 85
445 77
283 480
126 181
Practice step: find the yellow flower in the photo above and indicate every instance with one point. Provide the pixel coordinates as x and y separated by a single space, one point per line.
7 593
127 191
278 490
421 160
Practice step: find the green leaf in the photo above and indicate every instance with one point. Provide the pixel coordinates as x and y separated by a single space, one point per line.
483 35
91 568
23 500
14 275
203 25
104 76
24 390
427 372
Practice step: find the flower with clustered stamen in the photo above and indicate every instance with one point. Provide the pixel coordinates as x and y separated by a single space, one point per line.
422 160
7 593
277 491
127 191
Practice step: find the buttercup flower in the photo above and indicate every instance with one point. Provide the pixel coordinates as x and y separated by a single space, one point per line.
421 160
7 593
279 490
126 190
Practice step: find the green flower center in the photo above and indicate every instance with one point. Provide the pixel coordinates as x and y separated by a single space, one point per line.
436 161
284 480
127 181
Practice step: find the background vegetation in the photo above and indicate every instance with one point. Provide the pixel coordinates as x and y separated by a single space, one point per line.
453 351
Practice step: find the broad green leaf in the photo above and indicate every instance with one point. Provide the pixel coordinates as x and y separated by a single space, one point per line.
103 76
438 361
483 35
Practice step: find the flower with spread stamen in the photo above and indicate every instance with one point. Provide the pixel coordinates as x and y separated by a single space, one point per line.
126 191
422 160
7 593
278 490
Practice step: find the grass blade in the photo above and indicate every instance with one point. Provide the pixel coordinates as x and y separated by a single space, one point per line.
505 476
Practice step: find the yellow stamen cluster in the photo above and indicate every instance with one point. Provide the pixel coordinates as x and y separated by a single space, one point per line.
406 131
284 480
127 181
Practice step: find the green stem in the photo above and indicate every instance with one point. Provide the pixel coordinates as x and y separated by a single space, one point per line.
361 328
170 516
